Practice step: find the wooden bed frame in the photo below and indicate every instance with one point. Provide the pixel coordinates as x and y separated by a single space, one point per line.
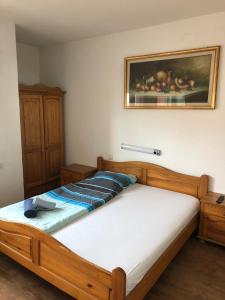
49 259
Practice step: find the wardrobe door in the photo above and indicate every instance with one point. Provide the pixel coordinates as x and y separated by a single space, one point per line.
32 129
54 144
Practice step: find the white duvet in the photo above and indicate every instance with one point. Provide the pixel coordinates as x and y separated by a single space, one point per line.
131 231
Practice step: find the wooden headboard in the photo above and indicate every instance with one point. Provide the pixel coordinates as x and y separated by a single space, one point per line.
157 176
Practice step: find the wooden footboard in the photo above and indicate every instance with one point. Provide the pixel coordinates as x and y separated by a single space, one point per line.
49 259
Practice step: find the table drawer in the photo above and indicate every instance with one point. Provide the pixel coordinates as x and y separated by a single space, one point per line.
215 228
214 210
69 177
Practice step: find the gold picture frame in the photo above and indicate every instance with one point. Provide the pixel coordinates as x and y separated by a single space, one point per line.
185 79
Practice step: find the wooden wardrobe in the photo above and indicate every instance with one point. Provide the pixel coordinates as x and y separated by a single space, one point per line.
41 117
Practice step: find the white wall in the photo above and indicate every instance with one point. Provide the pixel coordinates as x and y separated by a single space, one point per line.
28 64
91 70
11 183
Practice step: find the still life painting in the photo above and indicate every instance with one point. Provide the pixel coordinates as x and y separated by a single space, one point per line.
180 79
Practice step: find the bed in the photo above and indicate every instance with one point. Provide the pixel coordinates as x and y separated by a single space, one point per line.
63 259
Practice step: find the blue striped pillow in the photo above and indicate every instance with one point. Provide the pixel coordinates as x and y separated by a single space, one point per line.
124 180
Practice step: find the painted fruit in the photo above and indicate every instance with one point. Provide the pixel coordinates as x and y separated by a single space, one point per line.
150 79
158 89
191 83
163 84
161 75
181 85
152 88
169 78
138 86
173 87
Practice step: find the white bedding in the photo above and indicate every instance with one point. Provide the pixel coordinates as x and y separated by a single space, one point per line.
131 231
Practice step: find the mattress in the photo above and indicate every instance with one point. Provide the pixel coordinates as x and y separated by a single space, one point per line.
131 231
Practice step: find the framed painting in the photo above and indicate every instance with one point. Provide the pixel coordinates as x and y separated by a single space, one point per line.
179 79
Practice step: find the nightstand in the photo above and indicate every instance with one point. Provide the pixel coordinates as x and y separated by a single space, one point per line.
212 219
76 172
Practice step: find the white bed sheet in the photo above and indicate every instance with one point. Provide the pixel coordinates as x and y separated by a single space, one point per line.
131 231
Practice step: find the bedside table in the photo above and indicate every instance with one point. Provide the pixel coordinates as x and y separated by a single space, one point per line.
76 172
212 219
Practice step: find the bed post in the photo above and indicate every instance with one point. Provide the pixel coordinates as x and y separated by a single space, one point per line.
99 163
203 186
118 284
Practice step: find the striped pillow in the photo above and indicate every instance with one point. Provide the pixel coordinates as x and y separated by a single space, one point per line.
124 180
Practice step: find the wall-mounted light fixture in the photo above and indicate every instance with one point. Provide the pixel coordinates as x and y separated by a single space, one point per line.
141 149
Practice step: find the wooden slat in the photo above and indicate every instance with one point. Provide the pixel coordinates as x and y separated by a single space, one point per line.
35 250
203 187
17 241
180 187
53 261
64 285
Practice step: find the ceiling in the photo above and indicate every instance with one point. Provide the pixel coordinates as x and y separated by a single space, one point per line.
45 22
